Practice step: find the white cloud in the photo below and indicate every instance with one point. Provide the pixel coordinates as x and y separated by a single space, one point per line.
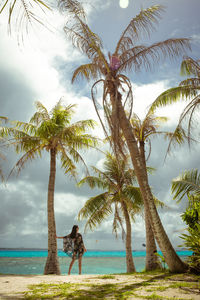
68 203
145 95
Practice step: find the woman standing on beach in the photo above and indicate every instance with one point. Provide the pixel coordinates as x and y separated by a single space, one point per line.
74 247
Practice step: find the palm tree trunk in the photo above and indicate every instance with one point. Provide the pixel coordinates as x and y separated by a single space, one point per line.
152 260
173 261
52 264
130 267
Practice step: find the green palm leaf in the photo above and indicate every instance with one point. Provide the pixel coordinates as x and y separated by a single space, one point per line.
173 95
187 183
95 210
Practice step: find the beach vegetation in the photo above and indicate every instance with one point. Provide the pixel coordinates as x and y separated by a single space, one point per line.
120 197
188 185
107 277
55 133
117 101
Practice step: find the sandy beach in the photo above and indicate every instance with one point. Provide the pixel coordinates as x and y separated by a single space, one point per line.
134 286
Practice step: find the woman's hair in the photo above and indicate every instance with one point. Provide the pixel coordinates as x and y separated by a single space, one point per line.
73 233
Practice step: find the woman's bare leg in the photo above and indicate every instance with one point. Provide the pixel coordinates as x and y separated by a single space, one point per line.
80 264
70 266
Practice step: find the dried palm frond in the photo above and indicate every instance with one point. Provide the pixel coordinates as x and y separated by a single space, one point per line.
23 14
146 56
142 23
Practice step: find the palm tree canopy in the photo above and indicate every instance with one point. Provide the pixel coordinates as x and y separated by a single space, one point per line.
187 184
131 56
128 54
188 89
51 130
147 128
117 181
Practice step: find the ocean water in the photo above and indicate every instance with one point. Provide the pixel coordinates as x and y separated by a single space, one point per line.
94 262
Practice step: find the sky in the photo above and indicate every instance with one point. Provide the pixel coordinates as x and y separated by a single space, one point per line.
41 69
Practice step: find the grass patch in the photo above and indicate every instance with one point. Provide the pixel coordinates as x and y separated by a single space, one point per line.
106 277
120 290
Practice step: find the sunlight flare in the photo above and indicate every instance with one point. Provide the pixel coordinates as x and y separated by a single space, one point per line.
123 3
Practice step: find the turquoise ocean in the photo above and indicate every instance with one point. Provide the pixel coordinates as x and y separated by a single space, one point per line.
94 262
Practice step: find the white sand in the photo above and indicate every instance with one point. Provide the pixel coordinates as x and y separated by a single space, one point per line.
12 286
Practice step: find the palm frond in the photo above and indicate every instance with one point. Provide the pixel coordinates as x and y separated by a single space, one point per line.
142 23
25 13
27 157
189 111
40 115
173 95
178 137
72 7
133 196
148 55
193 82
94 182
159 203
67 163
188 183
190 66
95 210
87 71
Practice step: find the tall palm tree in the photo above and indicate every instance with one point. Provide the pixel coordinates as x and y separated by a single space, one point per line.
117 90
143 131
51 131
188 89
117 180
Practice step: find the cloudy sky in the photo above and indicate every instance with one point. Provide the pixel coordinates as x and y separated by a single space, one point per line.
41 70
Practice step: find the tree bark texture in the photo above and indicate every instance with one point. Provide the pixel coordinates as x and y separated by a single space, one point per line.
130 267
52 263
173 261
152 261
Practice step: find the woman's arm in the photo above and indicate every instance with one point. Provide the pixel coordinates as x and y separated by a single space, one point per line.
59 237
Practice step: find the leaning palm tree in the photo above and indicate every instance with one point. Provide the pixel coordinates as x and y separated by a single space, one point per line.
143 131
53 132
117 90
119 197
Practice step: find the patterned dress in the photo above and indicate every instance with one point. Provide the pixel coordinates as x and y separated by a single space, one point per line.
73 247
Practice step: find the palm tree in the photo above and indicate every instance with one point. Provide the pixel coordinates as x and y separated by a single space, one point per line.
53 132
188 184
188 89
117 90
24 12
143 130
120 195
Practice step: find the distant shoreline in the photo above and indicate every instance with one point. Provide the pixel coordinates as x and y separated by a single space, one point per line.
102 250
